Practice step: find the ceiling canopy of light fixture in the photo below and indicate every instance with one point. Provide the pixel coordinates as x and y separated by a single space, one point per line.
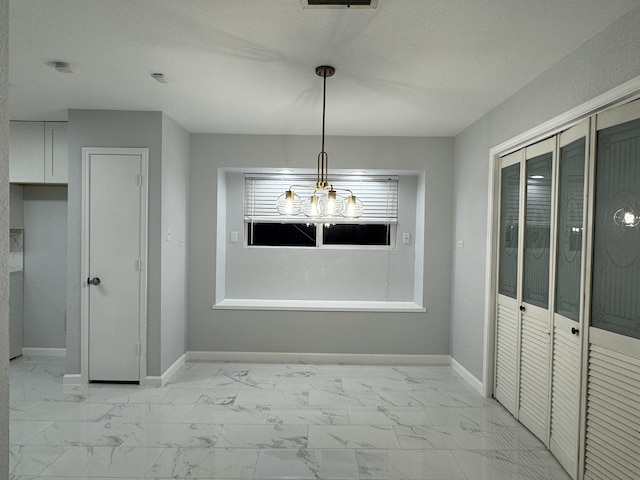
323 199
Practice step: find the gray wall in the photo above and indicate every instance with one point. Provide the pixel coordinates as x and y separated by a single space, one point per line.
175 192
604 62
103 128
4 240
345 274
329 332
16 206
45 264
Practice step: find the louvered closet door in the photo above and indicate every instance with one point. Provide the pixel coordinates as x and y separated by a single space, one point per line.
507 321
535 345
568 287
612 448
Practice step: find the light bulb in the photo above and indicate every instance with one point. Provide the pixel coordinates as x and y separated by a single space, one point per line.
626 217
312 209
629 218
331 203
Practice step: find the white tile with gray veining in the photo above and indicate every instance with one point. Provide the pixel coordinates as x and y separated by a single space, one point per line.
173 435
308 415
115 462
218 463
461 438
267 421
388 416
352 436
263 436
408 464
511 465
81 434
306 464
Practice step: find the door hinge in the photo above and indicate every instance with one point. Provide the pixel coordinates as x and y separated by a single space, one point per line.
139 348
139 180
138 265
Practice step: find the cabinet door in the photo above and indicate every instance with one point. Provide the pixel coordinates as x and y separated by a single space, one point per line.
56 153
26 152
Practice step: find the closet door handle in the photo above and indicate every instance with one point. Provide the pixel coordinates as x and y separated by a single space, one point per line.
522 309
575 331
93 281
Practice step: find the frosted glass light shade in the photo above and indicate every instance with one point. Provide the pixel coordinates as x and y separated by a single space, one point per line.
352 207
289 203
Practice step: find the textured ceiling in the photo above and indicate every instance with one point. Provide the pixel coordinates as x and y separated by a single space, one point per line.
410 67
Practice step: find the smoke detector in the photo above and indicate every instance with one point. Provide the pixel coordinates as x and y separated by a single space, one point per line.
339 3
160 77
62 67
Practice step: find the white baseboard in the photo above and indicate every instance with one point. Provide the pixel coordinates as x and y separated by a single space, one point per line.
468 376
73 379
44 352
317 358
161 381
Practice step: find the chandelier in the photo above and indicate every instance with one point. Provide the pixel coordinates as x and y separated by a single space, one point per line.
320 199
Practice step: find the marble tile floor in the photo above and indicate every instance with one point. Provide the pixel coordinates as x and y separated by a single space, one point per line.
261 421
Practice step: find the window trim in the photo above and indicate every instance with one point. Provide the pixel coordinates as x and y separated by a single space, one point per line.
222 244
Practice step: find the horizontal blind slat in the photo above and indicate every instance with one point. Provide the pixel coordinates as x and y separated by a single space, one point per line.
379 196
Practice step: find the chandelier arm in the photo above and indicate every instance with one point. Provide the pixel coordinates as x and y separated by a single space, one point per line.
306 187
342 190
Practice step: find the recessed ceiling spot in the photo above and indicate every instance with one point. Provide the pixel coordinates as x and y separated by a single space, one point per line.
62 67
339 3
160 77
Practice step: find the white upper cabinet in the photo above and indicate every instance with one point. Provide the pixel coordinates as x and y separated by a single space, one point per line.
26 152
56 152
38 152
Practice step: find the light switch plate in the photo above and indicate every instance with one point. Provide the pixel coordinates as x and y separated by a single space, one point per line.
406 238
234 237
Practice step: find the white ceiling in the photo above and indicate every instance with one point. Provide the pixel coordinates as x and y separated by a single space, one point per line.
410 67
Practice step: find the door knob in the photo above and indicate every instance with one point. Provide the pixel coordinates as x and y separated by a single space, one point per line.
522 308
93 281
575 331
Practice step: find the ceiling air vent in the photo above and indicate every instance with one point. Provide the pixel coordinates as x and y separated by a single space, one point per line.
339 3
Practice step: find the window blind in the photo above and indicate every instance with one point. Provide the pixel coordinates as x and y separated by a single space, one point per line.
379 196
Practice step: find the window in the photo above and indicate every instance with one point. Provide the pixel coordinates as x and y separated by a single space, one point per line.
375 227
281 234
330 264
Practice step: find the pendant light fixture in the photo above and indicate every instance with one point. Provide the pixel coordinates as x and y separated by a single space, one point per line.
321 200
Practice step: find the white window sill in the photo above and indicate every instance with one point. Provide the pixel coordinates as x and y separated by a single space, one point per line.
319 305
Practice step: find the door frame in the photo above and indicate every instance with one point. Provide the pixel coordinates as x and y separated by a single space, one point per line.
87 152
623 93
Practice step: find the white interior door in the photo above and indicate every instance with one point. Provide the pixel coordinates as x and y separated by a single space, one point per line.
535 344
509 271
115 282
568 287
612 435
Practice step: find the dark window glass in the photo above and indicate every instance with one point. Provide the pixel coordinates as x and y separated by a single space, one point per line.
348 234
281 234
